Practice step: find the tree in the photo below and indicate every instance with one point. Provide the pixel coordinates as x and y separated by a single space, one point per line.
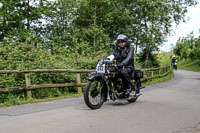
156 20
91 18
20 18
59 25
188 47
91 24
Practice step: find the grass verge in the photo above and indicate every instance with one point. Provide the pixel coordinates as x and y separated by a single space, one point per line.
18 101
159 80
190 65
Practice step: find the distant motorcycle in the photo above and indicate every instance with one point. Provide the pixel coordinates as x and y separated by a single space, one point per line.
174 65
106 83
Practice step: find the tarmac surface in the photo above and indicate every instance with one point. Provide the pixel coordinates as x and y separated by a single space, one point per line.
169 107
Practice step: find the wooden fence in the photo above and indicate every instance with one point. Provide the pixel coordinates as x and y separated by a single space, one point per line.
150 73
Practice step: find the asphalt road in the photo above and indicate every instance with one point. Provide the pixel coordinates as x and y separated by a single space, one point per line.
170 107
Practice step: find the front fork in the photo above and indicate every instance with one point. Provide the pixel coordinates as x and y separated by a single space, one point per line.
112 92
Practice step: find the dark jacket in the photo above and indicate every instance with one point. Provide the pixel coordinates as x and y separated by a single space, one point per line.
173 60
125 56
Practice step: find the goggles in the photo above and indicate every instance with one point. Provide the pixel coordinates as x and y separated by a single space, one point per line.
120 41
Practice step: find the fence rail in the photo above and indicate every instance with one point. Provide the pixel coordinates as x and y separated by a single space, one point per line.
47 70
149 73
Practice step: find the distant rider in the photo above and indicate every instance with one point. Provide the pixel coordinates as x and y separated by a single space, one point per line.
174 62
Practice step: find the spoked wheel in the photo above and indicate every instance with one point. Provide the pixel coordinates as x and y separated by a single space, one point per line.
133 96
93 94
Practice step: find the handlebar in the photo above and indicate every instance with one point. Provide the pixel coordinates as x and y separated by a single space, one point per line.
108 61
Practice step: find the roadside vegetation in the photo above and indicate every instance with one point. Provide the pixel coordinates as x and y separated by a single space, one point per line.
159 80
191 65
164 60
187 51
13 100
49 94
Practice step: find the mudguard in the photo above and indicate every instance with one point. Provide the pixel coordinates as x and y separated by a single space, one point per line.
98 77
94 77
138 73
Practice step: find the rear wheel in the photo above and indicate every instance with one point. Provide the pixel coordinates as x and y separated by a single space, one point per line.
138 86
93 94
133 96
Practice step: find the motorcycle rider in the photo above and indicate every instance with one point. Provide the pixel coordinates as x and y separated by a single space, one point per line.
124 56
174 62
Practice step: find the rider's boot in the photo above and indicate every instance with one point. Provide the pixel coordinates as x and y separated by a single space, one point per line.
128 91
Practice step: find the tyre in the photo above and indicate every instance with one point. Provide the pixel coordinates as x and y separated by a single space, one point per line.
138 86
133 97
176 67
93 94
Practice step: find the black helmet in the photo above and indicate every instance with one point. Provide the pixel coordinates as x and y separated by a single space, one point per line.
122 38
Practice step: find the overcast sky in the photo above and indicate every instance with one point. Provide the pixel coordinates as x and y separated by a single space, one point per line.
183 29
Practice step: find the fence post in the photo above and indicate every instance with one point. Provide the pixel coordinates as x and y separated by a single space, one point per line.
152 75
28 82
78 77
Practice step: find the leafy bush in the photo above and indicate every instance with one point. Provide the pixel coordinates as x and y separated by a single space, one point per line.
25 56
188 47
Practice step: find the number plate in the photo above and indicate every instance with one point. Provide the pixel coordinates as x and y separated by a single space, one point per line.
100 68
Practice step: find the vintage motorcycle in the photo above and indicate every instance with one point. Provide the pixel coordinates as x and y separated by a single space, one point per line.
105 84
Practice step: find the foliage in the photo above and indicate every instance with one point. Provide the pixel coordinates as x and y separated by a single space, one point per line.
188 47
66 34
54 25
164 58
20 18
188 51
151 62
25 56
191 65
160 80
18 100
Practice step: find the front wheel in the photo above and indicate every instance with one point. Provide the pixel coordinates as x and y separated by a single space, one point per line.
93 94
